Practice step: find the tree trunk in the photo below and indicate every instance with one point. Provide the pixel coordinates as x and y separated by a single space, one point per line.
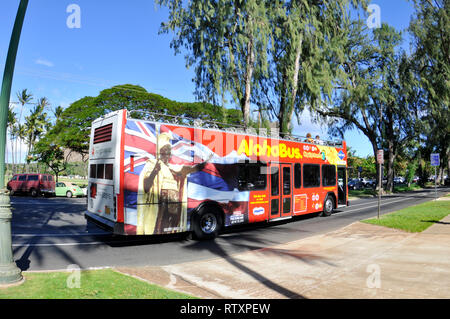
245 104
390 167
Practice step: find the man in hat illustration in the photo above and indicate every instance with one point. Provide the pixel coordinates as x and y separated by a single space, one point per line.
162 199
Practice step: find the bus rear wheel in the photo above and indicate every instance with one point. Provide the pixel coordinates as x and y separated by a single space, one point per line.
328 206
206 223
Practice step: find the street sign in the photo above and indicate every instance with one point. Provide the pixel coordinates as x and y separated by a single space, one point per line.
435 159
380 157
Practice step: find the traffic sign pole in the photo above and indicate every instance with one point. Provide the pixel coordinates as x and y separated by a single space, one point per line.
435 161
380 160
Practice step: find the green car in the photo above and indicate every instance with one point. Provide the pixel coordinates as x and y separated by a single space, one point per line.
68 190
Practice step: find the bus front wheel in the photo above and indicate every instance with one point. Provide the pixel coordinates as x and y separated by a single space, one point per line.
206 223
328 206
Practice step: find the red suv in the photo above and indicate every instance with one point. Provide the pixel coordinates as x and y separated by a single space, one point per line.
34 184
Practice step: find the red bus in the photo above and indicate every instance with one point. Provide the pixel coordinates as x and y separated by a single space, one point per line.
148 177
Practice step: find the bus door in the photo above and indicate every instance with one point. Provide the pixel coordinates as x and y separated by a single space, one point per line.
342 185
280 191
286 196
274 191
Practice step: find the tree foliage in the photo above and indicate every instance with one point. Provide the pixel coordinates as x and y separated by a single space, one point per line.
430 29
226 42
72 129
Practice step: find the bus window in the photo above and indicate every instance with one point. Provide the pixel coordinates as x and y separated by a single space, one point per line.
109 171
298 175
311 175
286 181
328 175
100 170
93 171
250 177
274 181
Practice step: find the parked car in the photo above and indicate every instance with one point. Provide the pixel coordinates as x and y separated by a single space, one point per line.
355 184
399 180
33 184
366 182
68 190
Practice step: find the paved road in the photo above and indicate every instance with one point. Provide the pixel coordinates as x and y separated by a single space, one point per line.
51 233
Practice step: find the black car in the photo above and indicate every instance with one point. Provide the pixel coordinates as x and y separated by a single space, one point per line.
355 184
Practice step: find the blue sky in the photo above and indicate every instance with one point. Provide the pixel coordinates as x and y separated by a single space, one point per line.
118 43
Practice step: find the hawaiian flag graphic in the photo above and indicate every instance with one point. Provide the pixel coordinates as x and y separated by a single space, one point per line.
217 181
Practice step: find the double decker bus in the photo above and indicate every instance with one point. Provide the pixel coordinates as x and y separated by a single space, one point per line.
151 177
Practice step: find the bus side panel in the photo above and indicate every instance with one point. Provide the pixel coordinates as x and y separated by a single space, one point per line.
139 147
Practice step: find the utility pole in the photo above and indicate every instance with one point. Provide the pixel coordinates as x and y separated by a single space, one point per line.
9 272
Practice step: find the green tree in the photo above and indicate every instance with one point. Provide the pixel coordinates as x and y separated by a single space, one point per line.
226 42
48 151
35 125
375 92
72 129
24 98
430 30
306 34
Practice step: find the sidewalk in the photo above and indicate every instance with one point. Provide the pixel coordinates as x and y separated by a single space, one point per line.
358 261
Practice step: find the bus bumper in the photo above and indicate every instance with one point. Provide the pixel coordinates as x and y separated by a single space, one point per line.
115 228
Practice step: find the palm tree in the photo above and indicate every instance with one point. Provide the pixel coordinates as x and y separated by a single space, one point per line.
35 124
24 98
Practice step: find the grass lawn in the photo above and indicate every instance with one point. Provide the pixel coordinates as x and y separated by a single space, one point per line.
362 192
405 188
415 218
93 284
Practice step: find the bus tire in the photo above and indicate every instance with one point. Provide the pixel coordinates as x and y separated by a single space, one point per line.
328 206
206 223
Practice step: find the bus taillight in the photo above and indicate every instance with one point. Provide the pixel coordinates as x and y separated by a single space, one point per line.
93 191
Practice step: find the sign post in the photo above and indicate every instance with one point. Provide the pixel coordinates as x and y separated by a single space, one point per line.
380 161
435 161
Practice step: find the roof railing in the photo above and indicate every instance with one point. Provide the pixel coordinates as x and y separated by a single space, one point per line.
228 127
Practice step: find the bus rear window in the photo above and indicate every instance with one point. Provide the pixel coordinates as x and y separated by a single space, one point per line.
109 171
100 170
103 171
93 171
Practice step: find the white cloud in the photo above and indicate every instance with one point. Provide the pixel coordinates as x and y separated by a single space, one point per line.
44 62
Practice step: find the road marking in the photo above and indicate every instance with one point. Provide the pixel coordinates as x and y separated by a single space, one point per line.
61 244
382 203
60 235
